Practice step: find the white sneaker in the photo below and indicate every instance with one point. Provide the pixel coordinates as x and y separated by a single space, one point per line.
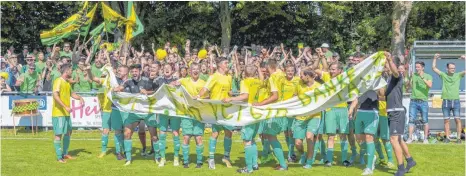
409 141
127 163
211 163
162 162
176 161
426 141
367 171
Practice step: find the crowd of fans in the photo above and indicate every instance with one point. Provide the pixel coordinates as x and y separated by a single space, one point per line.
31 72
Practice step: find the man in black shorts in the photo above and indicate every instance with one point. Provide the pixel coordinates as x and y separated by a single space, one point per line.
397 117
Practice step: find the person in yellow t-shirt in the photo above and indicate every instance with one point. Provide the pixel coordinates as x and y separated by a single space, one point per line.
61 112
336 117
191 127
289 90
307 127
218 87
249 89
106 110
274 126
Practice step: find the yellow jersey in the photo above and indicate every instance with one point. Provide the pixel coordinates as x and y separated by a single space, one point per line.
105 103
326 78
276 81
383 108
289 88
302 89
251 87
63 88
219 86
191 86
264 90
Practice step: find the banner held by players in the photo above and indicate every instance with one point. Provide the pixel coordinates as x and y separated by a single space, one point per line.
177 102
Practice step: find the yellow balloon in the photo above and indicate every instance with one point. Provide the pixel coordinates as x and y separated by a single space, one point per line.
161 54
4 75
202 54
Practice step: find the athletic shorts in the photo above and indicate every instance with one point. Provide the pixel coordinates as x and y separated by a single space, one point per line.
61 125
262 125
106 120
301 127
249 132
289 124
337 118
366 122
274 126
117 118
383 131
396 122
165 120
218 128
149 119
322 124
192 127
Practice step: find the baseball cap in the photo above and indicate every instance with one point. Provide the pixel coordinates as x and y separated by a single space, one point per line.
324 45
335 54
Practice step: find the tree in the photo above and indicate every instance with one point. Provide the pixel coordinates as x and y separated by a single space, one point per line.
400 15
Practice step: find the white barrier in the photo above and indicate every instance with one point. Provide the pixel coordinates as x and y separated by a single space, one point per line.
87 116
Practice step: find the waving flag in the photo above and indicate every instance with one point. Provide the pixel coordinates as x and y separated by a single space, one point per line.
133 25
69 27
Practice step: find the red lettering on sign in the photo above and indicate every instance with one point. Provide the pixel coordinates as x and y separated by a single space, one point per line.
87 109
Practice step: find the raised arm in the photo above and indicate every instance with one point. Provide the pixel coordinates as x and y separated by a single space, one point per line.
392 65
434 64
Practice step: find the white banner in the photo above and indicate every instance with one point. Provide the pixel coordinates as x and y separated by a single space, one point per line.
177 102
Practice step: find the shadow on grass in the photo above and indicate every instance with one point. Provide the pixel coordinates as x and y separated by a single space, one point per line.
75 152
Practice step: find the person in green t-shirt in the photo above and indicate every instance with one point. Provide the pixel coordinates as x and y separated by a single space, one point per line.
421 83
328 54
83 83
40 64
96 72
66 50
29 81
450 95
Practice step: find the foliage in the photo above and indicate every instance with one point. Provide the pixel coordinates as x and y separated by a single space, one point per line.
344 25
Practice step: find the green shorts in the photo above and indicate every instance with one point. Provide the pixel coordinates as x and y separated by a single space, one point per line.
383 130
192 127
366 122
106 120
151 120
61 124
274 126
218 128
165 120
117 118
321 124
133 118
249 132
260 129
301 127
289 124
337 118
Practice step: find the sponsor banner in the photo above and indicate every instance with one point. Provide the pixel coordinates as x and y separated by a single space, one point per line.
81 116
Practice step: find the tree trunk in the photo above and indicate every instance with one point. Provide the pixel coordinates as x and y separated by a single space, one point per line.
225 22
400 15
